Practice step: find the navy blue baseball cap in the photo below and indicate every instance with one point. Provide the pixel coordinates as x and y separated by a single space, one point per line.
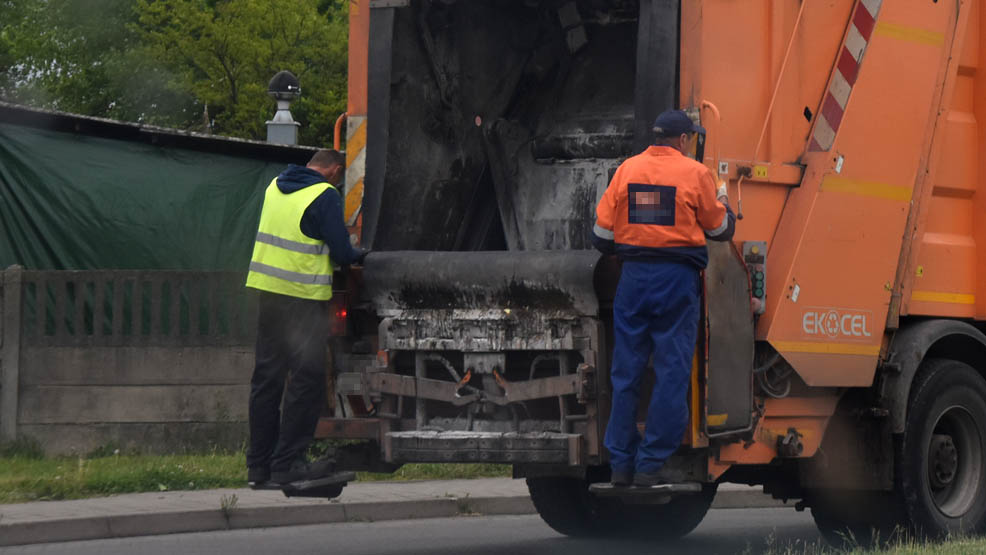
676 122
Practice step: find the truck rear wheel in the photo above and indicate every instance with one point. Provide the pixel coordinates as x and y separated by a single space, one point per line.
673 520
941 470
566 505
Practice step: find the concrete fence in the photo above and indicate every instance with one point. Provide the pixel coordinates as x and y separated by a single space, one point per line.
155 361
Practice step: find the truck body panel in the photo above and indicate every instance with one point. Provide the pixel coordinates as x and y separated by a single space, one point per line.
940 276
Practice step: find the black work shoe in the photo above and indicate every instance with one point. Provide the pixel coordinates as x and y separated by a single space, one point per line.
301 470
258 475
619 478
648 479
322 467
298 471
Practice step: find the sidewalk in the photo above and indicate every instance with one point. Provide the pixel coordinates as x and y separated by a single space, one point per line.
145 514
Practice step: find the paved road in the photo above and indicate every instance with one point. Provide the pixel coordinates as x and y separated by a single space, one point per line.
724 531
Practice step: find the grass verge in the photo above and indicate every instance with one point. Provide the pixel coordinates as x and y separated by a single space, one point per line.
25 475
905 546
954 547
34 479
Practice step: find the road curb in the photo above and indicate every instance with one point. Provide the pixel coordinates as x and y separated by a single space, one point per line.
207 520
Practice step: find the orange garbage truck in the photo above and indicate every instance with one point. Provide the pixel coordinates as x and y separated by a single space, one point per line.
841 356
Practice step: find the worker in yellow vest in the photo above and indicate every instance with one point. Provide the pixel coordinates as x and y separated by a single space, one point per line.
301 236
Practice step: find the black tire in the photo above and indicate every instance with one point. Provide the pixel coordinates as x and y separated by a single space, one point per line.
941 467
675 519
566 505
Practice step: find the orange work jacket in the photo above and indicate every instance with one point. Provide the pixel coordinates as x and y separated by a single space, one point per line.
661 204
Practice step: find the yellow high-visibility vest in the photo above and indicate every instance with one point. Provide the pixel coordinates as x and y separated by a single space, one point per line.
285 260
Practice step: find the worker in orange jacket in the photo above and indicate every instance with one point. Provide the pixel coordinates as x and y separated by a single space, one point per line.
656 214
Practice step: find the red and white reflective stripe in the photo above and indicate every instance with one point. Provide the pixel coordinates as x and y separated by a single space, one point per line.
847 69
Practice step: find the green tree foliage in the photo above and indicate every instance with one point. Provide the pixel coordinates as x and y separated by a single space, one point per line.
84 56
195 64
10 11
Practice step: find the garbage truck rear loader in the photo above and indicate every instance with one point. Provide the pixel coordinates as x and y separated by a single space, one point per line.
841 358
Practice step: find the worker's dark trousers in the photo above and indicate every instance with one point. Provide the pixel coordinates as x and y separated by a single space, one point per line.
655 313
291 344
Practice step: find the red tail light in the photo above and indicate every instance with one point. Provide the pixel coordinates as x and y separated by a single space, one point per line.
338 315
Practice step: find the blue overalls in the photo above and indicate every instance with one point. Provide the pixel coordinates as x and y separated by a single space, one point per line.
655 313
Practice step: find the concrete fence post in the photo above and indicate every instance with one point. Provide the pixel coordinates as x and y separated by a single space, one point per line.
10 351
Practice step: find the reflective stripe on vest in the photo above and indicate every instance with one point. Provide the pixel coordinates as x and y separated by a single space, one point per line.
291 245
285 260
286 275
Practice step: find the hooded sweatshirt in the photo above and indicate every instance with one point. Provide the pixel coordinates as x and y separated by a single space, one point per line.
323 219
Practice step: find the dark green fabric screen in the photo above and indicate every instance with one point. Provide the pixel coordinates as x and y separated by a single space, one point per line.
75 202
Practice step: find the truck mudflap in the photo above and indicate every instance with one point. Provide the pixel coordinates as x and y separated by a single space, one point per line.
486 447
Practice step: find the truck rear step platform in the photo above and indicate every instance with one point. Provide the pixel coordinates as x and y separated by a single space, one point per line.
644 495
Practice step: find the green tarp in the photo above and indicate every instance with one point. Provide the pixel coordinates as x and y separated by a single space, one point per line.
77 202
